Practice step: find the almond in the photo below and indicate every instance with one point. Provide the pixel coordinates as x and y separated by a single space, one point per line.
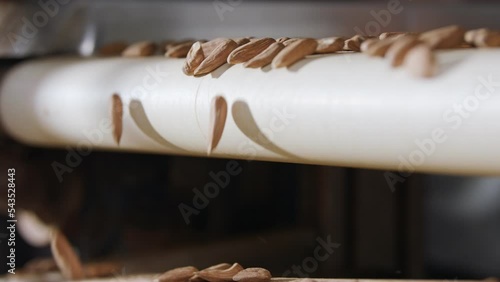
65 257
354 43
165 44
290 41
217 58
329 45
113 49
470 36
443 38
367 44
220 266
295 52
254 274
397 52
193 59
117 117
218 114
172 44
220 275
196 278
241 41
249 50
140 49
180 274
282 39
180 50
209 47
420 61
266 57
394 34
487 39
379 48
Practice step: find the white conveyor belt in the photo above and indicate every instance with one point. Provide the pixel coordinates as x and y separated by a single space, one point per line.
340 109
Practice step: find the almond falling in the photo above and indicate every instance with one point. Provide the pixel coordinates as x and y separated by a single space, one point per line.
218 115
421 61
65 257
117 117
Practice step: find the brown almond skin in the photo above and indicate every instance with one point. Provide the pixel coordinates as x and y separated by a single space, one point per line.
444 38
209 47
113 49
290 41
353 44
140 49
282 39
179 51
420 61
487 39
248 51
220 266
65 257
171 44
266 57
397 52
220 275
218 115
367 44
180 274
217 58
253 274
117 117
193 59
241 41
379 48
470 36
394 34
329 45
196 278
295 52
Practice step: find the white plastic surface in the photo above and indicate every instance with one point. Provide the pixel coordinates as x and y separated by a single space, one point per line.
341 109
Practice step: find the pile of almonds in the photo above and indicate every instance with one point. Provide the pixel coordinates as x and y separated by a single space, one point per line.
412 50
223 272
